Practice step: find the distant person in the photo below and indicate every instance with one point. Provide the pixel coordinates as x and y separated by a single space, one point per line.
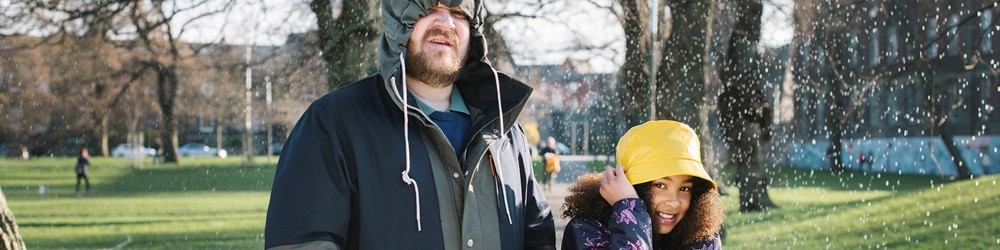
984 159
659 197
552 166
865 159
24 153
82 163
861 160
871 160
157 150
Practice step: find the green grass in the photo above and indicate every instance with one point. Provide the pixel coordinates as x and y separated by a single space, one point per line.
819 210
201 203
221 204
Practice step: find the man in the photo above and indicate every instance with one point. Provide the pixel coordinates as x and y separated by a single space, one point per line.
451 172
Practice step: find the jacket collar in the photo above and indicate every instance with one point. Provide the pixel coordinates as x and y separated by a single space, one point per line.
480 93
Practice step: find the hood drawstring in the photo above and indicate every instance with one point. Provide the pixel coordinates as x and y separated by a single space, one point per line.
406 135
503 140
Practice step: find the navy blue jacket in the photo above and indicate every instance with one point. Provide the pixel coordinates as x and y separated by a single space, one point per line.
339 176
628 228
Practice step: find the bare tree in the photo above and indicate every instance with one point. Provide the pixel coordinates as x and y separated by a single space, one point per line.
93 70
634 88
849 84
348 41
680 83
154 29
26 90
744 111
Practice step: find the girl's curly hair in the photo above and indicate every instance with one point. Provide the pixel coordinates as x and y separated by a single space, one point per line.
701 223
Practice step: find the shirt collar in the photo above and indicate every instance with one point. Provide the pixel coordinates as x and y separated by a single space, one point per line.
457 103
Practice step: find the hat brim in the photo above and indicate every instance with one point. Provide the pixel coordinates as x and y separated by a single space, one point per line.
652 170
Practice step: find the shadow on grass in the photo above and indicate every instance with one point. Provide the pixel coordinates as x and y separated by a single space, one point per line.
206 239
209 239
88 224
796 212
212 178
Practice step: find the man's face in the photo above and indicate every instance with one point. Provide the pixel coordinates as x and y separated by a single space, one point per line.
438 46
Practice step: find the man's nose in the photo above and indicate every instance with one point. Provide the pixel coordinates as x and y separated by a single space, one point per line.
443 19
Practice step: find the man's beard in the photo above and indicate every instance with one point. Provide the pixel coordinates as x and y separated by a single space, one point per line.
421 67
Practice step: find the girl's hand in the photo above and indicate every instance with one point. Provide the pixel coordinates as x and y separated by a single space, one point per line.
615 187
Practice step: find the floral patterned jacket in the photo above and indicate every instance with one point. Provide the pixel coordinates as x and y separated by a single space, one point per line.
628 228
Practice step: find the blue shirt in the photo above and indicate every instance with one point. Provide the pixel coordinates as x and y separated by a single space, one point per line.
454 122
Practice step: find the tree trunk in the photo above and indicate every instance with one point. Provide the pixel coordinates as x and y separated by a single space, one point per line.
835 126
10 238
709 69
744 110
956 155
634 73
218 133
167 96
939 118
680 83
349 41
104 135
836 100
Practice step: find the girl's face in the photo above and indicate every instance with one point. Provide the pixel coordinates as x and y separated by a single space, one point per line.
670 198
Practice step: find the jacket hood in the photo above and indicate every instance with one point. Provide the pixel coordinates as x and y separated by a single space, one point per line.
478 81
398 17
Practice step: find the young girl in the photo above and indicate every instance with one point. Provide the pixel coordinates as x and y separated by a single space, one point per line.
660 197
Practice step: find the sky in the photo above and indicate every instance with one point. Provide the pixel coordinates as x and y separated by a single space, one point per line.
549 39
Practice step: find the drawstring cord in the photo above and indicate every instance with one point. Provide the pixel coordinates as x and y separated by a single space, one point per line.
503 139
406 135
496 78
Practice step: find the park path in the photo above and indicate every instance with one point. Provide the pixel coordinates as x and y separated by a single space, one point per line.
556 197
572 167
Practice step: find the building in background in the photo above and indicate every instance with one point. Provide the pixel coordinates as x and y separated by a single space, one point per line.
573 104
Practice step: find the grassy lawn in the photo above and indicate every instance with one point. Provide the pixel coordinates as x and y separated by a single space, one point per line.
201 203
220 204
819 210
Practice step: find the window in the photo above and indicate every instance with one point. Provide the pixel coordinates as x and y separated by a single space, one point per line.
805 55
874 57
953 35
932 27
854 54
893 43
984 23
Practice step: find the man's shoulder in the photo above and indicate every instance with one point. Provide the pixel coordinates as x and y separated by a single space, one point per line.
354 93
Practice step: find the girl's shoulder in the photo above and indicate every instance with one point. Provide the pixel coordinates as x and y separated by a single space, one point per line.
586 224
711 244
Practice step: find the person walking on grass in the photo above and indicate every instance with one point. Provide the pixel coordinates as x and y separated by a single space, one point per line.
82 164
425 154
659 197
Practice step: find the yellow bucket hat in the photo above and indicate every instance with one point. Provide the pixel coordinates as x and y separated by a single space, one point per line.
658 149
